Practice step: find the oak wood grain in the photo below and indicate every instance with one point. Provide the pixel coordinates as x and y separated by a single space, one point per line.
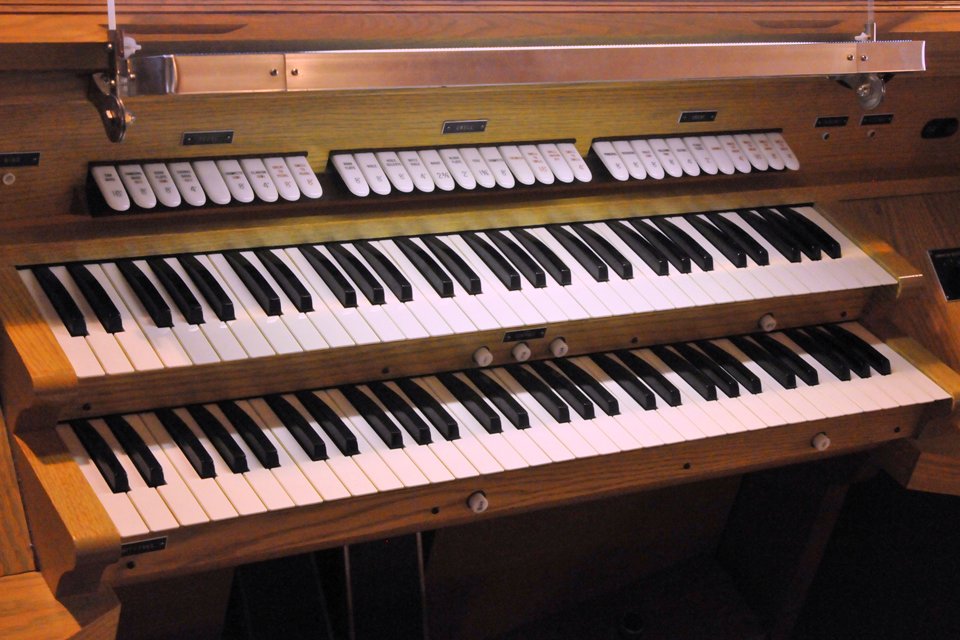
16 554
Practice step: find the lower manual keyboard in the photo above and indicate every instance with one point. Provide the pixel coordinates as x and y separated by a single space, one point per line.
159 470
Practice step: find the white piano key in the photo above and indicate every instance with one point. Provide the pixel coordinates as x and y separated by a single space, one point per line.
235 486
780 273
304 175
191 336
206 490
260 179
853 259
611 159
78 352
263 483
283 179
630 158
746 277
649 159
481 172
753 153
351 320
438 169
501 170
457 166
724 273
219 333
138 187
272 327
146 500
397 460
575 161
349 171
211 180
768 150
395 171
556 162
537 163
789 158
104 345
162 183
721 159
701 154
518 164
134 343
187 183
373 173
111 187
683 155
117 505
175 492
670 163
417 171
735 153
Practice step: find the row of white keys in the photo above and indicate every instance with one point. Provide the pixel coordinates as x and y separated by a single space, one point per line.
866 270
76 348
779 276
724 273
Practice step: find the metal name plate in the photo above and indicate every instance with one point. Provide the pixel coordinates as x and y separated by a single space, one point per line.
697 116
525 334
20 159
464 126
831 121
192 138
143 546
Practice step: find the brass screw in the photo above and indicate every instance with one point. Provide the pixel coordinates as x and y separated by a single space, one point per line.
864 58
295 72
850 57
274 72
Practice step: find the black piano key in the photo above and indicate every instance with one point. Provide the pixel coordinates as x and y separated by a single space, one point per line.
589 385
567 390
500 397
619 263
251 433
526 265
177 289
330 422
456 265
821 352
476 405
876 359
720 239
543 394
63 304
286 279
651 377
800 367
198 457
782 244
756 251
387 271
827 243
596 267
139 453
630 383
809 245
308 439
784 377
674 254
795 235
220 438
502 269
209 288
549 260
331 276
102 456
736 369
441 420
432 272
100 302
375 417
717 375
403 412
841 349
697 380
262 292
698 255
650 255
369 286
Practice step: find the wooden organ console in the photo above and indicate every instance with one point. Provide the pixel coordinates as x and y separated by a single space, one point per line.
483 259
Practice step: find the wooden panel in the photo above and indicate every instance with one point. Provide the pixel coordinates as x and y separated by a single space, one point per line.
28 611
16 556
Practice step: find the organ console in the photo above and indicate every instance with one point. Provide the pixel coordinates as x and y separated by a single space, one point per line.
290 277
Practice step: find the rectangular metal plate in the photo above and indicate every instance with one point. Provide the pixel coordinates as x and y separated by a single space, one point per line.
464 126
874 119
525 334
192 138
20 159
698 116
143 546
832 121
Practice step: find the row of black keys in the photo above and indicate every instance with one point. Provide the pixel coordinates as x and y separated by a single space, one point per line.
706 369
510 256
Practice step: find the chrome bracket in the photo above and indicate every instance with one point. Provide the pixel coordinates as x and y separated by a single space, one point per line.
869 87
105 89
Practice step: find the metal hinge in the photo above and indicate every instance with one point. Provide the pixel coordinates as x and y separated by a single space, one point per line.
105 89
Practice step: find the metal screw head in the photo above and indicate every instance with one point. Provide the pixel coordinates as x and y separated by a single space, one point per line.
864 58
863 90
294 72
850 56
274 72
